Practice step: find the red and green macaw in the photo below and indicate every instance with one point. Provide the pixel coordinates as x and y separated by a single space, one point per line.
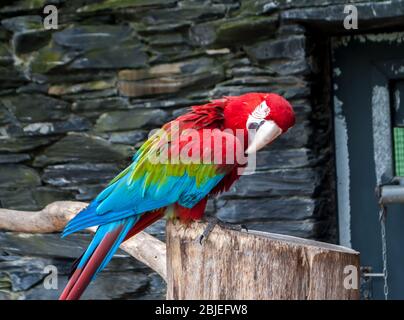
147 191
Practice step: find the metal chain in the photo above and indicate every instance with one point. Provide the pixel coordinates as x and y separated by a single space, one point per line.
382 218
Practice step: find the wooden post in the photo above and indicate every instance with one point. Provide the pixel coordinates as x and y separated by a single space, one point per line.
255 265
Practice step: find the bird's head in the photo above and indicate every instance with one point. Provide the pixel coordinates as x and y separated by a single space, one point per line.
263 117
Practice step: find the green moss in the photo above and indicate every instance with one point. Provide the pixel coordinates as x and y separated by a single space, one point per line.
120 4
32 4
5 54
18 175
243 30
81 87
5 282
48 58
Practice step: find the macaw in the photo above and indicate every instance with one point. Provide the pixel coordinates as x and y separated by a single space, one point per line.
147 191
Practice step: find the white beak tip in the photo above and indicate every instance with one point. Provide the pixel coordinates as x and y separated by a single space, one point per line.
251 150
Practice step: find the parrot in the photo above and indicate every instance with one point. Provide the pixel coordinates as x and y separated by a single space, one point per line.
178 187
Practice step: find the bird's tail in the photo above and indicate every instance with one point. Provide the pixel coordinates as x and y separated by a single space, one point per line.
101 249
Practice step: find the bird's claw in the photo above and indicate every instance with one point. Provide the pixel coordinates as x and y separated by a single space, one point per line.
234 227
212 222
201 239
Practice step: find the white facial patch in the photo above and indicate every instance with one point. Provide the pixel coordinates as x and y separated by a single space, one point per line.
261 111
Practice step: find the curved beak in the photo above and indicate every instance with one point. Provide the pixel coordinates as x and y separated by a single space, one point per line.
267 132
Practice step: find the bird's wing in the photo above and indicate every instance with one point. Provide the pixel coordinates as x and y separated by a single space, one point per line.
148 184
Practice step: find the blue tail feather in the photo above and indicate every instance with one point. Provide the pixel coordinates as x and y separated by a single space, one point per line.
102 231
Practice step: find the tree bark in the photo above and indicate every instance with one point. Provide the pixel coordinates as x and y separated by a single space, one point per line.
53 218
254 265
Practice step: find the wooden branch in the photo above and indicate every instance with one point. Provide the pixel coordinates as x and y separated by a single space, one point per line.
254 265
55 216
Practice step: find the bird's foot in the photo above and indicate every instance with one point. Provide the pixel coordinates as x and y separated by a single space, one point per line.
232 226
212 222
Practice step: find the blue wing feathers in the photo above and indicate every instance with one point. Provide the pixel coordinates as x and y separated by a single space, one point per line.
118 201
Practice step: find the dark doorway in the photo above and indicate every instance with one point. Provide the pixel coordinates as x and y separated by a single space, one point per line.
368 75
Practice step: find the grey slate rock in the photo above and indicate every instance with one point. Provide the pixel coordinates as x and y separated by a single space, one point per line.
124 5
44 245
23 278
112 47
369 11
167 39
70 175
44 195
132 119
74 123
292 182
128 137
87 192
21 6
90 37
61 250
107 286
28 197
17 198
292 67
14 157
187 12
296 137
18 176
308 229
31 198
23 273
22 23
34 88
36 107
291 47
6 57
29 34
82 148
97 105
284 158
243 210
22 144
11 77
49 58
125 56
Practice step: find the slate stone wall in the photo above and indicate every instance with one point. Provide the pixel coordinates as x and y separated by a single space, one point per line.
76 102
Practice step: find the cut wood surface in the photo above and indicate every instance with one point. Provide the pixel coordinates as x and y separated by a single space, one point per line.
254 265
55 216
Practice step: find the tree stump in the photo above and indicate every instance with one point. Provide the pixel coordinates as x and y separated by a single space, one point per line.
255 265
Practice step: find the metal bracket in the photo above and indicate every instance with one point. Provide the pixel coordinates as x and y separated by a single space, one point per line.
391 194
366 287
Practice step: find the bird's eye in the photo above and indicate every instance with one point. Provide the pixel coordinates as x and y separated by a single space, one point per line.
255 125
